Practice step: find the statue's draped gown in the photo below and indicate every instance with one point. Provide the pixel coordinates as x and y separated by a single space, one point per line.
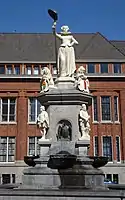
66 56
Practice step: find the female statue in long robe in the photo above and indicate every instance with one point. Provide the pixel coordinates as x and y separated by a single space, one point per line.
66 55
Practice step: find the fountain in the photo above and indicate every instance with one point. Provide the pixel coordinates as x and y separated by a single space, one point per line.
64 162
63 170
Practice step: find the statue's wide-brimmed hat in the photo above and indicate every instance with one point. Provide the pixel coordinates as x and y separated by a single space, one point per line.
65 30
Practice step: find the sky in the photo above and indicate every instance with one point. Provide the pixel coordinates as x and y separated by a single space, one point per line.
82 16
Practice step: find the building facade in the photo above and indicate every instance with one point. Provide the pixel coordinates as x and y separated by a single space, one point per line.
22 56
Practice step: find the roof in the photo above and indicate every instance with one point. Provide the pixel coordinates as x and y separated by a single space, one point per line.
119 44
40 47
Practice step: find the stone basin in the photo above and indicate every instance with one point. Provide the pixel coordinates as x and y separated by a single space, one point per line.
29 160
61 161
99 161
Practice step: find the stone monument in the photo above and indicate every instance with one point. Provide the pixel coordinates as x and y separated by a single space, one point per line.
64 170
64 162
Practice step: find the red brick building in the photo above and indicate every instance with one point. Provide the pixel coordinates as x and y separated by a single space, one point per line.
21 58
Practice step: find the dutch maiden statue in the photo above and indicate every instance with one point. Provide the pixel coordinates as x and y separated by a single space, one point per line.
66 55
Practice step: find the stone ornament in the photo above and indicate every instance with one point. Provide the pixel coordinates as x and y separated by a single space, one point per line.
84 123
82 82
46 81
66 55
43 122
64 132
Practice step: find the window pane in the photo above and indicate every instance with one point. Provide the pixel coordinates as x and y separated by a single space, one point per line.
11 149
36 70
16 69
31 146
105 104
115 178
54 69
117 68
9 69
118 148
13 178
109 177
2 69
5 178
28 70
104 68
95 108
96 148
12 110
38 107
115 108
3 149
4 109
91 68
38 147
32 107
107 147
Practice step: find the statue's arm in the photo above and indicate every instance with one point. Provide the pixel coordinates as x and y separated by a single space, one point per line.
58 36
73 41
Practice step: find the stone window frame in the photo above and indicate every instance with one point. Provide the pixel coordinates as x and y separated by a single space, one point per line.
101 110
93 110
37 110
116 108
36 148
94 67
104 68
112 177
5 149
118 67
9 104
110 145
12 178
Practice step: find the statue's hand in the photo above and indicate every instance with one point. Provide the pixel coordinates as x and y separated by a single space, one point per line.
69 45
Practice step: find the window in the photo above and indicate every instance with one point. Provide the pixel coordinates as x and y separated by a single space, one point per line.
29 70
2 69
112 178
54 69
34 109
36 70
117 68
105 108
107 147
95 108
8 109
9 69
8 178
17 69
7 149
91 68
104 68
116 117
34 147
96 147
118 148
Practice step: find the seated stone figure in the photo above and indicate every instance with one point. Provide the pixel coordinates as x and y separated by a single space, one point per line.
46 81
82 82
